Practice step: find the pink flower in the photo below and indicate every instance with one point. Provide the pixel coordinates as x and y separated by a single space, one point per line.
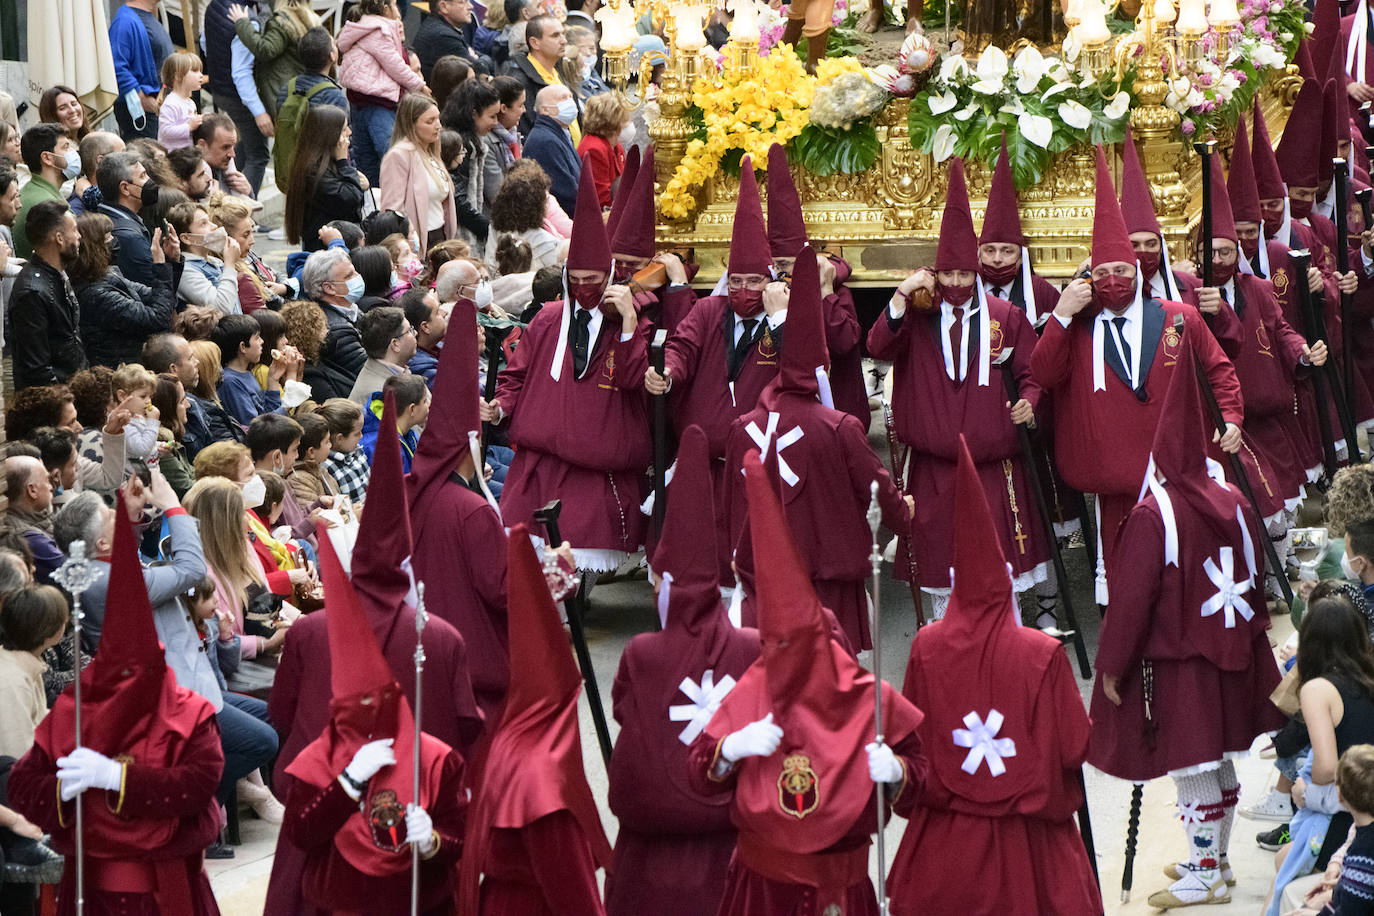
1187 127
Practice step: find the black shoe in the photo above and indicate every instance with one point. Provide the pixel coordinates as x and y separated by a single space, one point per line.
1273 839
218 850
31 862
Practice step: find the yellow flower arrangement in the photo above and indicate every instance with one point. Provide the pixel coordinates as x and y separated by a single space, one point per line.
748 113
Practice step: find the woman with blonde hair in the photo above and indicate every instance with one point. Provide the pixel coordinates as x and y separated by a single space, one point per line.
222 427
274 49
259 286
415 181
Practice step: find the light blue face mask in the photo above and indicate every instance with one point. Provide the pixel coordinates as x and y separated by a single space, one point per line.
356 286
73 166
395 280
567 112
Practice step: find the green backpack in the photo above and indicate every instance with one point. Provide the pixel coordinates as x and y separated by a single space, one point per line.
290 118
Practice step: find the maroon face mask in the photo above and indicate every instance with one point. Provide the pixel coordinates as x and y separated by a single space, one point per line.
1223 273
746 303
954 295
588 295
1249 247
1149 262
1273 222
1301 209
1001 276
1113 292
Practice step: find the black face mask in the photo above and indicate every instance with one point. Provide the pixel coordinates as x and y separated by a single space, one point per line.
149 193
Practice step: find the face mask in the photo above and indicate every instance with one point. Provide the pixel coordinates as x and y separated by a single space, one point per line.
1113 292
482 298
410 268
587 295
1149 262
1001 276
148 196
355 288
213 240
1273 222
567 113
1222 273
746 303
954 295
254 492
1250 247
1347 570
72 166
395 280
1301 209
627 135
588 64
113 245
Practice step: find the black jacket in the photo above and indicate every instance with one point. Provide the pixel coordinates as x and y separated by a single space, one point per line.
118 315
520 67
44 319
338 195
436 38
342 355
219 426
470 215
134 254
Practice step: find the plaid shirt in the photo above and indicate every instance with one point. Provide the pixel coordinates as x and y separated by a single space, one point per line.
350 472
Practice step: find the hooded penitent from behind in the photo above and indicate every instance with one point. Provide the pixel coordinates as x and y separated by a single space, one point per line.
149 762
674 843
534 838
349 809
1006 734
793 743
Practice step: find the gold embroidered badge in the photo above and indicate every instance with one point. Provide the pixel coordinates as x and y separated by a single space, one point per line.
798 790
387 821
1280 280
1172 341
995 338
767 350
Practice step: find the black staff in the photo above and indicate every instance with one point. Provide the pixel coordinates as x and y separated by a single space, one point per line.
575 605
1341 176
1313 331
489 389
1205 149
1132 832
660 432
1241 481
1043 505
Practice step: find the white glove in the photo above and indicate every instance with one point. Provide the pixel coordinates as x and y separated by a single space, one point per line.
419 828
757 739
370 758
84 769
883 765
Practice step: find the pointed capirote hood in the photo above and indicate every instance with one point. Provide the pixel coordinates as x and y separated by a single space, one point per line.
1269 180
1325 43
1241 187
455 424
1335 73
633 235
1137 205
786 228
748 238
1307 69
129 640
958 245
805 358
1334 119
1300 147
685 556
383 545
533 765
622 195
981 598
1111 240
1002 220
589 248
1223 222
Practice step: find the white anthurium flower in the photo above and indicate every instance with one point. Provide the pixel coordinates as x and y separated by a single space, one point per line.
1055 90
1228 83
992 71
1180 86
953 66
1074 114
1072 46
964 114
943 146
1037 129
1013 107
939 104
1194 98
1118 106
1030 68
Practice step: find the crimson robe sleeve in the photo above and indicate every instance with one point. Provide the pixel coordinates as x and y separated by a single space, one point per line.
1045 295
842 330
631 358
286 688
701 763
864 467
1050 360
683 350
487 569
561 860
907 794
1219 369
887 337
1127 623
32 789
1288 341
182 790
675 304
1226 328
1059 712
1021 335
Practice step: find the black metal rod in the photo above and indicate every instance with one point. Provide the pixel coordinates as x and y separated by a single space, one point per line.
1241 480
575 604
1341 177
1132 833
660 432
1085 829
1313 330
1206 149
489 391
1043 506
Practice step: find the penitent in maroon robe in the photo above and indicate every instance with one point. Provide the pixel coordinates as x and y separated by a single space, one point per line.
1008 806
675 843
843 335
930 410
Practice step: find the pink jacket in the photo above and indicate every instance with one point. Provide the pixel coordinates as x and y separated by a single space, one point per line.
405 188
373 59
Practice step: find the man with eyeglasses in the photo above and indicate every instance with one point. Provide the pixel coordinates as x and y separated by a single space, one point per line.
389 341
726 351
1107 355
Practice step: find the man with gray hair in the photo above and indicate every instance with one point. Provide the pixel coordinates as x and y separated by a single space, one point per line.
331 280
29 488
125 189
94 147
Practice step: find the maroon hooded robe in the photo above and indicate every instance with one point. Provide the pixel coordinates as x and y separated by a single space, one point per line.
1007 802
631 232
1189 608
674 843
930 409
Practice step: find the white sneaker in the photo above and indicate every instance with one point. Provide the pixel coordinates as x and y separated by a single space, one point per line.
1195 886
1274 806
277 235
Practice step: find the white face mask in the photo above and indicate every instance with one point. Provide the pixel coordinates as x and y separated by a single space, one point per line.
213 240
254 492
627 135
482 297
1348 570
567 112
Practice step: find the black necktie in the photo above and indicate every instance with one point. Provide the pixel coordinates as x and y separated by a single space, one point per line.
997 292
1224 297
746 340
1120 322
582 320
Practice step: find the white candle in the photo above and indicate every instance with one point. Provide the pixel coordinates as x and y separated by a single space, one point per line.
617 27
1164 11
745 26
1224 14
1092 27
1191 18
690 36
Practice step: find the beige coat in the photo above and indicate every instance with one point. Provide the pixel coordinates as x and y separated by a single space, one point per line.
405 188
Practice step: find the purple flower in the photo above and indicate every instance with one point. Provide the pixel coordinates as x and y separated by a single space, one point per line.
1187 127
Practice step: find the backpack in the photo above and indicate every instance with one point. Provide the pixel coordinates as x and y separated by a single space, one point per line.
290 117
